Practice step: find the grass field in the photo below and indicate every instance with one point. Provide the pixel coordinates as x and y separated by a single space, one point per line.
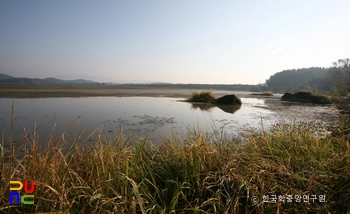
195 174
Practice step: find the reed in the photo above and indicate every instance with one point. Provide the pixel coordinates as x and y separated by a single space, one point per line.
199 173
202 97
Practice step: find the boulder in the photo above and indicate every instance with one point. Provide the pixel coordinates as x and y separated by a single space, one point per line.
228 100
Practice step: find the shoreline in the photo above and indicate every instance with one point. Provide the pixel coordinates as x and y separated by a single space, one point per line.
56 91
45 91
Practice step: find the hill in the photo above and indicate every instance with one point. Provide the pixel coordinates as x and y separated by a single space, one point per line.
9 80
298 79
5 76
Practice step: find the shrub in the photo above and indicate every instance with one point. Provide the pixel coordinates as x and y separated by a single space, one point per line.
306 97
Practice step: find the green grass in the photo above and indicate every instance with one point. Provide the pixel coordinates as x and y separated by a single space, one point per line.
200 173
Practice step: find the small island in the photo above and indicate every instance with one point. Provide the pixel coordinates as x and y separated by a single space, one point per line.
208 97
265 93
306 97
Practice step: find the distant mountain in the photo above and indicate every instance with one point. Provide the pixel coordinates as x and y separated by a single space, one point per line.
6 79
95 78
5 76
52 80
160 83
80 81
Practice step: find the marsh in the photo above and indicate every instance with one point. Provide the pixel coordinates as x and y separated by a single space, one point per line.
151 116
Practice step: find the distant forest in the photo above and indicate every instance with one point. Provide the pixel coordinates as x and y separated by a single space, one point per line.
298 80
335 79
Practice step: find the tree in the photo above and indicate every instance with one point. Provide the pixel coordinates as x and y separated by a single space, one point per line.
297 79
339 77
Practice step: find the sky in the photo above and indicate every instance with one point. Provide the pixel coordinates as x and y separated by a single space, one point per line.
174 41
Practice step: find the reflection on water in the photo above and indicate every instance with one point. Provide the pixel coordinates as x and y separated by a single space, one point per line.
207 106
138 116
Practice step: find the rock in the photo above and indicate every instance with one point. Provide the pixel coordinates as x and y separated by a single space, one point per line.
306 97
287 96
228 100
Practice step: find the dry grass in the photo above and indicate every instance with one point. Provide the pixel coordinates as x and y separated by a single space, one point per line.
265 93
203 97
197 174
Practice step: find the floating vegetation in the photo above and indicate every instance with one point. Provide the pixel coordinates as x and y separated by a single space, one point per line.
265 93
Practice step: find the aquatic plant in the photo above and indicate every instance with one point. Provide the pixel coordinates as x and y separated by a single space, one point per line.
201 173
203 97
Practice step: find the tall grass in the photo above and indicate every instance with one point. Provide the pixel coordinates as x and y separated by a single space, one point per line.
200 173
203 97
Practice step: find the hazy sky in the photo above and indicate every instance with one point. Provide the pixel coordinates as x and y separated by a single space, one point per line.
177 41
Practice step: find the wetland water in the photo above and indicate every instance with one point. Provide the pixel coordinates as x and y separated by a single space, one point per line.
149 116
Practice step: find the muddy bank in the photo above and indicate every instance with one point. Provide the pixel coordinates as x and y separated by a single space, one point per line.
322 119
46 91
24 91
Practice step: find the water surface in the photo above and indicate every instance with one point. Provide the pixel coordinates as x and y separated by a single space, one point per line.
141 116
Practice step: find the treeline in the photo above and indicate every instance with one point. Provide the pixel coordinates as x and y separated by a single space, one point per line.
335 79
339 77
